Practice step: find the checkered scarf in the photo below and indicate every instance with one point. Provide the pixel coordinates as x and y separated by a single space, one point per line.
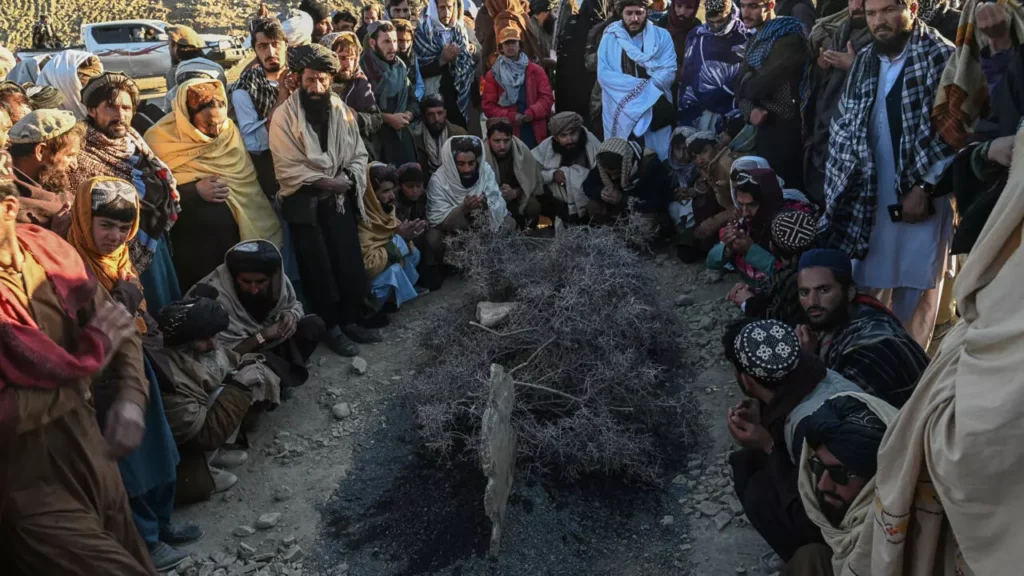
263 93
850 175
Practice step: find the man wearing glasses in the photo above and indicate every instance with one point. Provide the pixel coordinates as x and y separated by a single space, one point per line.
837 481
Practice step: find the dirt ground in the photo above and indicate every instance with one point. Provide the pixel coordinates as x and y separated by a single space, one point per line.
366 500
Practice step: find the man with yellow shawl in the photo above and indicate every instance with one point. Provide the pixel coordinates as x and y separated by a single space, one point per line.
105 217
388 253
221 199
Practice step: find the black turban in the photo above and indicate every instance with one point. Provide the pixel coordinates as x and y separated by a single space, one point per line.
538 6
318 10
850 430
191 320
254 256
410 172
312 56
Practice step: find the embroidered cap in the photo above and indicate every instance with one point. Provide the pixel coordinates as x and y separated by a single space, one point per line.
793 231
42 125
768 349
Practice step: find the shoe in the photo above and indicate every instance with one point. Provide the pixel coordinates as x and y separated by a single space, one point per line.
362 335
341 345
771 563
166 557
180 534
229 458
421 290
222 480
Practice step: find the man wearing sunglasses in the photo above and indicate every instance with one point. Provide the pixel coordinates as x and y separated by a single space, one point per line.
784 386
837 480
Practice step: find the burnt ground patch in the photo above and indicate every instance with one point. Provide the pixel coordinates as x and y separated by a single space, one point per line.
399 512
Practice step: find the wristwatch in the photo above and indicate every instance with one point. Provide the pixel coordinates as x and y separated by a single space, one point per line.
260 339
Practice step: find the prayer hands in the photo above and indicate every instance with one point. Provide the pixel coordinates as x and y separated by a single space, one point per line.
558 177
509 193
808 339
758 116
994 24
126 423
213 189
836 59
472 202
739 294
745 426
1000 150
915 205
412 229
611 196
449 53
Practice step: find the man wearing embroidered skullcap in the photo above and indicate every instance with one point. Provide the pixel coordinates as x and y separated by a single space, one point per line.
837 479
566 158
44 145
636 68
65 509
112 147
265 315
320 162
854 334
783 386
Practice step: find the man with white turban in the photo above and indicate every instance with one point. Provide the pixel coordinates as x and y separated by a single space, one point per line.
69 71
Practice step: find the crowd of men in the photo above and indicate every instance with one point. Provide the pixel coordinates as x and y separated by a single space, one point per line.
169 265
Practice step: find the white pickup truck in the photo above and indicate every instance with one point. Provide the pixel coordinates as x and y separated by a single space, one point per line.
139 48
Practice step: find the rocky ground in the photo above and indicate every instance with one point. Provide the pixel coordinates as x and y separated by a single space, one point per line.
336 482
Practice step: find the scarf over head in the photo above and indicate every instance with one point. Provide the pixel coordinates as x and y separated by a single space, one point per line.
510 75
445 191
192 156
851 426
61 72
628 101
299 160
432 36
685 172
948 486
263 94
192 320
963 95
576 174
376 231
850 174
7 60
258 256
630 152
390 81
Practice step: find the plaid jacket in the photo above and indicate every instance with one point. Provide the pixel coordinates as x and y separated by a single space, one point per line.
851 185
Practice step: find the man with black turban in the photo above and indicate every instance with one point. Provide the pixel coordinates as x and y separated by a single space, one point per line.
321 15
320 163
837 478
264 314
207 391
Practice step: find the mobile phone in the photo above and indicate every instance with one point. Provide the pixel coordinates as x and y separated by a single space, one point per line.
896 212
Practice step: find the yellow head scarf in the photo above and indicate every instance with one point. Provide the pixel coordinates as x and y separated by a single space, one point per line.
192 155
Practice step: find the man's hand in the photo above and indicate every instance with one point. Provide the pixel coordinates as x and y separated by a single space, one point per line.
915 205
748 409
841 60
286 325
396 121
289 83
509 193
741 243
823 62
126 423
339 185
739 294
449 53
993 23
1000 150
808 339
758 116
520 119
527 118
611 196
213 189
472 202
749 434
558 177
411 229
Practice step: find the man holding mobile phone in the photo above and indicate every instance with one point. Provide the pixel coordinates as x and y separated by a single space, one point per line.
885 160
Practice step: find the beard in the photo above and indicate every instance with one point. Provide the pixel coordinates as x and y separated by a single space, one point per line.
468 180
272 68
215 362
317 107
858 21
434 129
388 207
406 57
114 130
258 305
54 180
831 320
571 154
834 515
893 44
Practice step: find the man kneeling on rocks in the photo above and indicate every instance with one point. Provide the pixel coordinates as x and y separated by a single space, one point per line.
784 387
837 482
264 314
207 391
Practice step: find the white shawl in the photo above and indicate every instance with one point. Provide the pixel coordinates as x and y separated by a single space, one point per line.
298 160
61 72
627 101
445 191
550 162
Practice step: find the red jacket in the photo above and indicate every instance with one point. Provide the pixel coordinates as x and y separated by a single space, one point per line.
539 100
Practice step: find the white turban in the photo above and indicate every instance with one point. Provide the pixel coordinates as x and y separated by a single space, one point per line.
6 61
298 27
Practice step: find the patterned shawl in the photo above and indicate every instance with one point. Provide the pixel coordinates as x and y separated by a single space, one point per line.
963 95
131 159
710 67
761 46
627 102
263 93
850 175
510 75
390 81
430 40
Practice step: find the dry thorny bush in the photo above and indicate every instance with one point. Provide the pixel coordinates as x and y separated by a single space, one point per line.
591 346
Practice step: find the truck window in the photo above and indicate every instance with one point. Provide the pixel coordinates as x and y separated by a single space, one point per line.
110 34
